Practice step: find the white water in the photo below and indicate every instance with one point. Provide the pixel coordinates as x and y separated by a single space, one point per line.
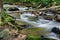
48 25
41 23
22 8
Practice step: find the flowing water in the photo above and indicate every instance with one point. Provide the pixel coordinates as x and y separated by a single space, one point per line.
47 25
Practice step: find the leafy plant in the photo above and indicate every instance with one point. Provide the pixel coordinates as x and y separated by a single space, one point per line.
57 1
9 19
5 17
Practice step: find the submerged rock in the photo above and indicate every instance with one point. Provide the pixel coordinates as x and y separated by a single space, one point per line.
33 18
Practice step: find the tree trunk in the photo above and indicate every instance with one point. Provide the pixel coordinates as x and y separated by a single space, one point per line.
1 5
1 8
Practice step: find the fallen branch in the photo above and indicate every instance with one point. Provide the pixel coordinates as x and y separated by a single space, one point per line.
53 7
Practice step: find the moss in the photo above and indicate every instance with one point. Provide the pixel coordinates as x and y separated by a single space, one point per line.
33 31
29 37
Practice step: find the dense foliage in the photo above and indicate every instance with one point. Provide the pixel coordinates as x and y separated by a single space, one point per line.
35 2
11 1
6 19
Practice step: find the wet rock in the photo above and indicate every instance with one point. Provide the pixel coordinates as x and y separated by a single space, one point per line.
13 9
33 18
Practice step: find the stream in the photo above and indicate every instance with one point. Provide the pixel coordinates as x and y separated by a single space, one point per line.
47 25
41 23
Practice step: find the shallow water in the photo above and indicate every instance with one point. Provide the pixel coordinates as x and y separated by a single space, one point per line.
47 25
41 22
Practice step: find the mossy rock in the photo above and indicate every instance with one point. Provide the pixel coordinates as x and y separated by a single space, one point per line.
29 37
4 34
34 31
33 18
